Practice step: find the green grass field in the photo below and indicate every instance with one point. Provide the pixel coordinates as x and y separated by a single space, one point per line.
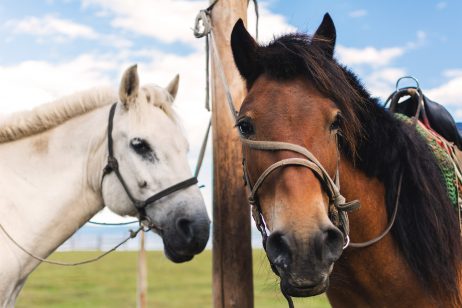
111 282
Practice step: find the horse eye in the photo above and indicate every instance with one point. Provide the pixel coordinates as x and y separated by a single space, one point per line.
245 127
336 124
140 146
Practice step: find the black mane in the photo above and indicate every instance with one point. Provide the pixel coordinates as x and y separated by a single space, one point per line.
426 228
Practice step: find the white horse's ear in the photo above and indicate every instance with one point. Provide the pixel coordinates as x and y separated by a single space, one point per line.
172 87
129 86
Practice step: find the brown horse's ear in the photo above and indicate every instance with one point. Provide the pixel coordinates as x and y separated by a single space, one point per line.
244 50
129 86
325 36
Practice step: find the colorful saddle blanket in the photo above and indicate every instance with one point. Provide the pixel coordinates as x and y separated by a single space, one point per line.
447 155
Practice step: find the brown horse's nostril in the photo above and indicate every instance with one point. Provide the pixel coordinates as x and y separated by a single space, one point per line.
332 243
185 229
278 250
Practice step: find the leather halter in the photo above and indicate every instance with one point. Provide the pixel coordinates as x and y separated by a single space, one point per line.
113 166
338 207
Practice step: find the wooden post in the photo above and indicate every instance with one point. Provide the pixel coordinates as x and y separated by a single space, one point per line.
232 253
142 275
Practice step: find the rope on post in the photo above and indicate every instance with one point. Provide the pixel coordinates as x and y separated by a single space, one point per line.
203 28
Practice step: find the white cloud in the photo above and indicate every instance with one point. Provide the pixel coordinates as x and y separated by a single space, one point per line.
51 26
449 93
176 19
451 73
421 38
368 56
62 30
357 13
270 24
381 82
168 21
441 5
457 115
375 57
34 82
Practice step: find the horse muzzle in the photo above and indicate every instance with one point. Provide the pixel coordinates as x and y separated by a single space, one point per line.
304 266
185 236
303 288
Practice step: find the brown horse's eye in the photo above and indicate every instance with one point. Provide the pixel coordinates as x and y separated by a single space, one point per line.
245 127
336 124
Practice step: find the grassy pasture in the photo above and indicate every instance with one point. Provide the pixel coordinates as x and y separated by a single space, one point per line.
111 282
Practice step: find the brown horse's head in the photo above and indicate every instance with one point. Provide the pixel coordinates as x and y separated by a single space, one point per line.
292 98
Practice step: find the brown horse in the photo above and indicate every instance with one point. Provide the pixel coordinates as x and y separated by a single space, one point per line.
299 94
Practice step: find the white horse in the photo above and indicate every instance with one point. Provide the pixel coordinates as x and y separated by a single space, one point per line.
51 174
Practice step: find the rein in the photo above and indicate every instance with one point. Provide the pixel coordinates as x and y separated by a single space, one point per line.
140 205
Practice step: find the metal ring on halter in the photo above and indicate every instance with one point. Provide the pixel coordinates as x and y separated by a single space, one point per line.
147 224
347 242
407 77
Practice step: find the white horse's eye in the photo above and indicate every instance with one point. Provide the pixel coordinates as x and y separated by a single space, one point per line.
140 146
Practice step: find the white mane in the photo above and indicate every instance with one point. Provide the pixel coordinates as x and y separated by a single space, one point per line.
41 118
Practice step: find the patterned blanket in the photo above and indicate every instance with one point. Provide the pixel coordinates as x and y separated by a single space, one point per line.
447 156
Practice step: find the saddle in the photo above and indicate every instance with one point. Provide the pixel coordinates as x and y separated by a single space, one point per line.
436 125
432 114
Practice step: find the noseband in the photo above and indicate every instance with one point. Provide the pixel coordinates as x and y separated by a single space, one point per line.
113 166
338 207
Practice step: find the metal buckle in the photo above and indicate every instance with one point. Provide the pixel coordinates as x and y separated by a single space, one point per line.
111 165
347 243
146 224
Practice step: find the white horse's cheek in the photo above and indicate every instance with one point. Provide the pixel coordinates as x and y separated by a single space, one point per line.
116 199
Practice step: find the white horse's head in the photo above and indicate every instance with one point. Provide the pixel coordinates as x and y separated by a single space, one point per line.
151 152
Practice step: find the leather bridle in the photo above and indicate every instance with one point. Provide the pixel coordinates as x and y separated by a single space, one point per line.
113 166
338 207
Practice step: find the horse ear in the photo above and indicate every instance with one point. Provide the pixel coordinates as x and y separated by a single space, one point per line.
244 50
129 86
172 87
326 35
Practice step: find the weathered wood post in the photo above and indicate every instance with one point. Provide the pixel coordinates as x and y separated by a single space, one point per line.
142 275
232 254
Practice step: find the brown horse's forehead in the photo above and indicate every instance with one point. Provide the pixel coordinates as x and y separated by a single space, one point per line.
282 99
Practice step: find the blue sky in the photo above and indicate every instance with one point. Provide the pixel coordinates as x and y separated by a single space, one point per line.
387 24
51 48
424 37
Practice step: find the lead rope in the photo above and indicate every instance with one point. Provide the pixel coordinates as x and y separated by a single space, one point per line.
133 234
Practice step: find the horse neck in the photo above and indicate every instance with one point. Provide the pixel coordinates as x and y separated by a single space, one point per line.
52 184
362 275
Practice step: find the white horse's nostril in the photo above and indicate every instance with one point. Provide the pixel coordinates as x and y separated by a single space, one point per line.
142 184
